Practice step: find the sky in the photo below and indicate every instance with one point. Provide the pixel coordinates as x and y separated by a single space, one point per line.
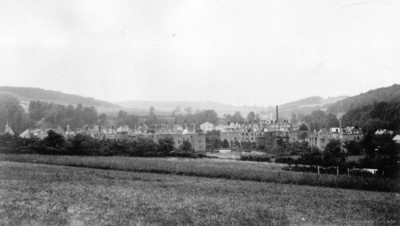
236 52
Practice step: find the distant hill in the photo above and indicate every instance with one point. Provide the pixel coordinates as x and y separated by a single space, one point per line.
180 106
314 100
26 94
307 105
386 94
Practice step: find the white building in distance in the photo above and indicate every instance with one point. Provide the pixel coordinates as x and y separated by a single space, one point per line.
207 127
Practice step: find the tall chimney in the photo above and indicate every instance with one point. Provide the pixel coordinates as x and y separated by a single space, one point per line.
277 115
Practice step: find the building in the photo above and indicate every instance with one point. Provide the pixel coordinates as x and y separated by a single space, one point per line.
221 127
197 140
240 136
274 141
336 132
240 132
321 138
206 127
351 134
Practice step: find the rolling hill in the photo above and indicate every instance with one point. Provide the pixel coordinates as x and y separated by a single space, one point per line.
26 94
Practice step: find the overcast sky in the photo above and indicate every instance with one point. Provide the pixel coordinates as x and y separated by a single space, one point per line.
237 52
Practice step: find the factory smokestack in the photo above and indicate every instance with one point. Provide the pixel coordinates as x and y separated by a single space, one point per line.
277 114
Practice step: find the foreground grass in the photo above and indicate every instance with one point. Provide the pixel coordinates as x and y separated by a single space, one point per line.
35 194
214 168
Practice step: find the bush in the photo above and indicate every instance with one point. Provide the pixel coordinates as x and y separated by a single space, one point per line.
333 154
312 157
256 158
83 145
165 146
185 147
146 147
286 160
54 140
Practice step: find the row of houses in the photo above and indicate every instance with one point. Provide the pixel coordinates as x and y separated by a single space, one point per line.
268 135
274 134
179 134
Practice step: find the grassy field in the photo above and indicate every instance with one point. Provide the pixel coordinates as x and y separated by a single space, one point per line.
36 194
214 168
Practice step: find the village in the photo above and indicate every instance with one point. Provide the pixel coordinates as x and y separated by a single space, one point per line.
268 135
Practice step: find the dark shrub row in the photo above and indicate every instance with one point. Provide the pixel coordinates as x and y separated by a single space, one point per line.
55 144
256 158
385 167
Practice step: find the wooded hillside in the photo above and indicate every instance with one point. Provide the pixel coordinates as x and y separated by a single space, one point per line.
28 93
385 94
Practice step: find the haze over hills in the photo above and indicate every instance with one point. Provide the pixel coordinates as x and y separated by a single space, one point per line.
27 94
303 106
180 106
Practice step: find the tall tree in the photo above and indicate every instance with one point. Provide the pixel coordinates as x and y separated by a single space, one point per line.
294 118
102 119
151 117
237 117
251 117
333 154
12 113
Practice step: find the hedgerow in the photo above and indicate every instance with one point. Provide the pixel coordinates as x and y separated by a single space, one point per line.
55 144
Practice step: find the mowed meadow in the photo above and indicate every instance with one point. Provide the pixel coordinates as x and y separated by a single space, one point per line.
39 194
76 190
214 168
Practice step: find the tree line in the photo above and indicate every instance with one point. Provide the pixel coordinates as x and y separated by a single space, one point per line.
380 115
57 114
41 94
380 152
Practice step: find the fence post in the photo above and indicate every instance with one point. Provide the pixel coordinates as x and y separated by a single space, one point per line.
318 169
337 170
